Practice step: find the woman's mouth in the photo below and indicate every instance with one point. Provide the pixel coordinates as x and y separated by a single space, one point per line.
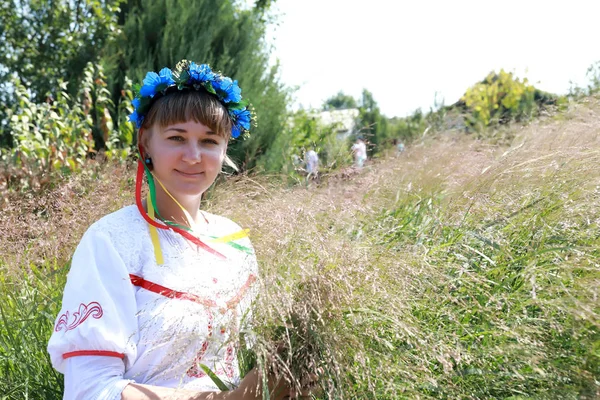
189 174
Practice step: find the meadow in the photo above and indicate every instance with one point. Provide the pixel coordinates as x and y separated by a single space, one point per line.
467 267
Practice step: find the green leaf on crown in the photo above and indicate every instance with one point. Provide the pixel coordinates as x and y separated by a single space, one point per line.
144 105
209 88
238 106
182 79
160 88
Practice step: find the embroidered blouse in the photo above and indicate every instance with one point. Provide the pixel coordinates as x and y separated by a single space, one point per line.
124 318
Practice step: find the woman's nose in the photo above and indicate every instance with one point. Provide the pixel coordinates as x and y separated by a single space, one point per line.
192 154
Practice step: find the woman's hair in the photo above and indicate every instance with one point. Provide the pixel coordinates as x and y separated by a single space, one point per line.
185 105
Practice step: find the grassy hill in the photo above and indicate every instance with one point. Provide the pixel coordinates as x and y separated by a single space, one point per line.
459 269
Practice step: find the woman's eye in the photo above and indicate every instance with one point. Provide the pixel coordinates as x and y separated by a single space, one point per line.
176 138
210 141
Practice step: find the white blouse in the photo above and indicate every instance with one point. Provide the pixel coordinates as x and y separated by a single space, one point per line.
126 319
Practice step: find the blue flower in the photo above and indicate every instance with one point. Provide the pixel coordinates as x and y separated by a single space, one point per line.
241 121
136 119
228 90
135 103
200 73
242 118
235 132
154 80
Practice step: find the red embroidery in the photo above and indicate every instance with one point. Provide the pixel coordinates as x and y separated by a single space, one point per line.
229 362
93 353
195 371
236 299
228 369
85 310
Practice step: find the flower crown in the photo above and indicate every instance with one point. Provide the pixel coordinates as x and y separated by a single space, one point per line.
189 75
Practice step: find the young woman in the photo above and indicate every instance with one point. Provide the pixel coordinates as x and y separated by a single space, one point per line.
158 292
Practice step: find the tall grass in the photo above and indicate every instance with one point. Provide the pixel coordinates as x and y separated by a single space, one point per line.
457 270
28 306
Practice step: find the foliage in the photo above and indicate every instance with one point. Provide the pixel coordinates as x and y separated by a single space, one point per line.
43 43
340 101
593 74
593 86
157 34
57 136
28 306
431 279
408 129
373 125
303 132
501 98
49 41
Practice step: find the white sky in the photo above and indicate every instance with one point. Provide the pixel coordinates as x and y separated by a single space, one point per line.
406 51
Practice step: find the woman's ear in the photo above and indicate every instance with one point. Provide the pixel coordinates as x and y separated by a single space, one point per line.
142 139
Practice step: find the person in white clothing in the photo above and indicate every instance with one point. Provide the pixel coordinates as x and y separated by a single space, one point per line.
159 291
312 163
359 149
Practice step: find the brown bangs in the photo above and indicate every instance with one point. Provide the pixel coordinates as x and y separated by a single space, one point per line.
186 105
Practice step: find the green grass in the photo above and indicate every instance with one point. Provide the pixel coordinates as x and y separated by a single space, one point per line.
459 270
28 307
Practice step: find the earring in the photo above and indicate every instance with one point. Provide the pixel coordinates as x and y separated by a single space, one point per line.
148 160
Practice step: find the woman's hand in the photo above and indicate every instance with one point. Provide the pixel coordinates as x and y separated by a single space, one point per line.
251 388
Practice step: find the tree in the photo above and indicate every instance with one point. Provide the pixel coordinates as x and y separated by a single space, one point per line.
373 123
340 101
44 42
159 33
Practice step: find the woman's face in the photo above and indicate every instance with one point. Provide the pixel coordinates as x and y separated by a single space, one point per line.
186 157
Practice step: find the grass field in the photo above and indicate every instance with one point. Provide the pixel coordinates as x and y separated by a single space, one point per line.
463 269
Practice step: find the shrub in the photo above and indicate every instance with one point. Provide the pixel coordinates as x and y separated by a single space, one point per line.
59 135
501 98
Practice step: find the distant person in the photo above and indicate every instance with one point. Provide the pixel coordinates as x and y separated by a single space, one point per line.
400 148
359 149
311 159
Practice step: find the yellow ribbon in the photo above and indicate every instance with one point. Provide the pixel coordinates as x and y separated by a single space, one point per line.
230 238
154 234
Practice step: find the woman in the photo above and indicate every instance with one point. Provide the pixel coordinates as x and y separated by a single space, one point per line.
158 292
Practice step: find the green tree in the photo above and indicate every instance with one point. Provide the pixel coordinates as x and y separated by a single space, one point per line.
159 33
340 101
44 42
373 125
408 128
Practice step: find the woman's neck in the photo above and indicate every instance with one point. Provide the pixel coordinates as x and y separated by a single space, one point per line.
170 210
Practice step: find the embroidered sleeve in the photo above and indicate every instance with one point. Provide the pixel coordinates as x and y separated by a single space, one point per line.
98 315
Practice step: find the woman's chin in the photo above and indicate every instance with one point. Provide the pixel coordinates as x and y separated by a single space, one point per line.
190 193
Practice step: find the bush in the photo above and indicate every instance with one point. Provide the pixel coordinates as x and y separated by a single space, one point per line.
303 132
59 136
501 98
